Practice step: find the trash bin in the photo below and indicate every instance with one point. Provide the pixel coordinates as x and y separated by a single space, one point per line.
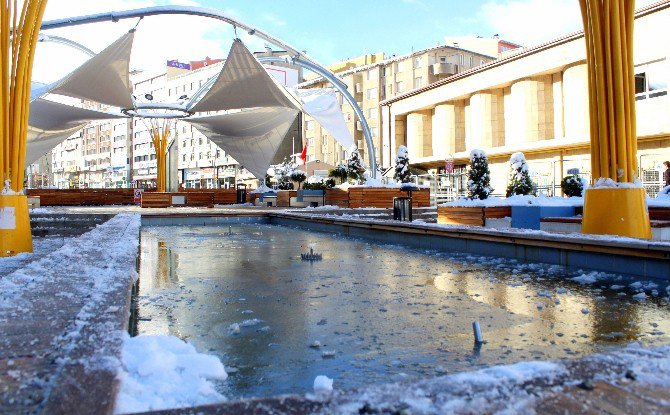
402 209
241 193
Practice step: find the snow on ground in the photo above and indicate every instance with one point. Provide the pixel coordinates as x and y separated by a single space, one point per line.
161 372
506 389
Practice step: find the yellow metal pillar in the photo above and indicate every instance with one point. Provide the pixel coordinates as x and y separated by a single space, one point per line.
19 26
619 209
160 135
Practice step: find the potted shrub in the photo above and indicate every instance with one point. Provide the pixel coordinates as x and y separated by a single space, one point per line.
572 185
299 177
479 176
520 182
402 173
355 167
339 172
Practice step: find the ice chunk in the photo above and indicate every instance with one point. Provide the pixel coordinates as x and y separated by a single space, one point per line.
323 384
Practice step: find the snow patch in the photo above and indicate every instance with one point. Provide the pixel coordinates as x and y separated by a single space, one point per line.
161 372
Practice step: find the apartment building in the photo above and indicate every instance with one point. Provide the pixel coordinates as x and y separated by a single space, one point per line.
381 79
533 100
66 162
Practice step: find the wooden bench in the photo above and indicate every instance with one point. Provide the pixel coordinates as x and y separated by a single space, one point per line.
659 213
471 215
163 200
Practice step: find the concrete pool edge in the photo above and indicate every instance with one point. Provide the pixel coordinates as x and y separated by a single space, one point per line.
619 256
620 381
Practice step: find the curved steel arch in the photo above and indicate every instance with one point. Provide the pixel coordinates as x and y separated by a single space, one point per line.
297 57
65 41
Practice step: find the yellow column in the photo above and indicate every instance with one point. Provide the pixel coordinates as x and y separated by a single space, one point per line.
619 209
159 137
19 25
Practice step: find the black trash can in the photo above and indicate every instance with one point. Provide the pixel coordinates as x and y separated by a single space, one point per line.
241 193
402 209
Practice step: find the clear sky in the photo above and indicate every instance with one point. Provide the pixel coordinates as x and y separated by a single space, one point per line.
329 30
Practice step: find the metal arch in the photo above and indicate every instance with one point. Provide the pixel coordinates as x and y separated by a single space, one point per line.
65 41
299 58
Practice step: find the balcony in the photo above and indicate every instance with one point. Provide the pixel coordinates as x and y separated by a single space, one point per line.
444 68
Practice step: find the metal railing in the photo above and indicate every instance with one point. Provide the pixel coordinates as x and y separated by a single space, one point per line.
449 187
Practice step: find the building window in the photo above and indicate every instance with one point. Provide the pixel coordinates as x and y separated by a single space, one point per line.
651 80
310 142
417 62
399 66
373 131
399 87
443 59
372 93
417 82
383 70
372 113
309 124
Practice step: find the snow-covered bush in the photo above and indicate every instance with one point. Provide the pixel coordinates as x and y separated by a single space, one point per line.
520 182
283 174
402 174
572 186
479 176
355 167
298 176
339 172
318 183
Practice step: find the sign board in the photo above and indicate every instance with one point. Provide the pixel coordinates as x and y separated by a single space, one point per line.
137 196
449 166
573 171
179 65
178 200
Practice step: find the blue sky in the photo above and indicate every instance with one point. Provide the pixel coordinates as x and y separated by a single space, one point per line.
329 30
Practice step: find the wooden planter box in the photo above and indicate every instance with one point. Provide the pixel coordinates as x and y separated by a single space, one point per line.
376 197
163 200
221 196
82 197
284 197
337 197
474 215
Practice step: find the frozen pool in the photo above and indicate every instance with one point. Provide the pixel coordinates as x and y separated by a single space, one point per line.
381 313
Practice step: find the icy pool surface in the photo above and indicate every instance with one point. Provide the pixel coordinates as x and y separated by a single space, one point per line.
380 313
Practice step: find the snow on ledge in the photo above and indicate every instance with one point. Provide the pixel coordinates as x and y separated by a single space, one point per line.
607 183
163 372
518 200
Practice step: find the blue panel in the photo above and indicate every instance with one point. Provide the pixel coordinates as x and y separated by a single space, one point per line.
528 217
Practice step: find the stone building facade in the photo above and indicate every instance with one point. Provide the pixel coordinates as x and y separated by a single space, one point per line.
532 100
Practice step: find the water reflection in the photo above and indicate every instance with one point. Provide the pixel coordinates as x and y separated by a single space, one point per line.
385 313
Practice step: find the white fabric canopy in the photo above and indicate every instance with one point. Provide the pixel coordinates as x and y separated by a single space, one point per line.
51 122
255 138
105 78
243 83
322 105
